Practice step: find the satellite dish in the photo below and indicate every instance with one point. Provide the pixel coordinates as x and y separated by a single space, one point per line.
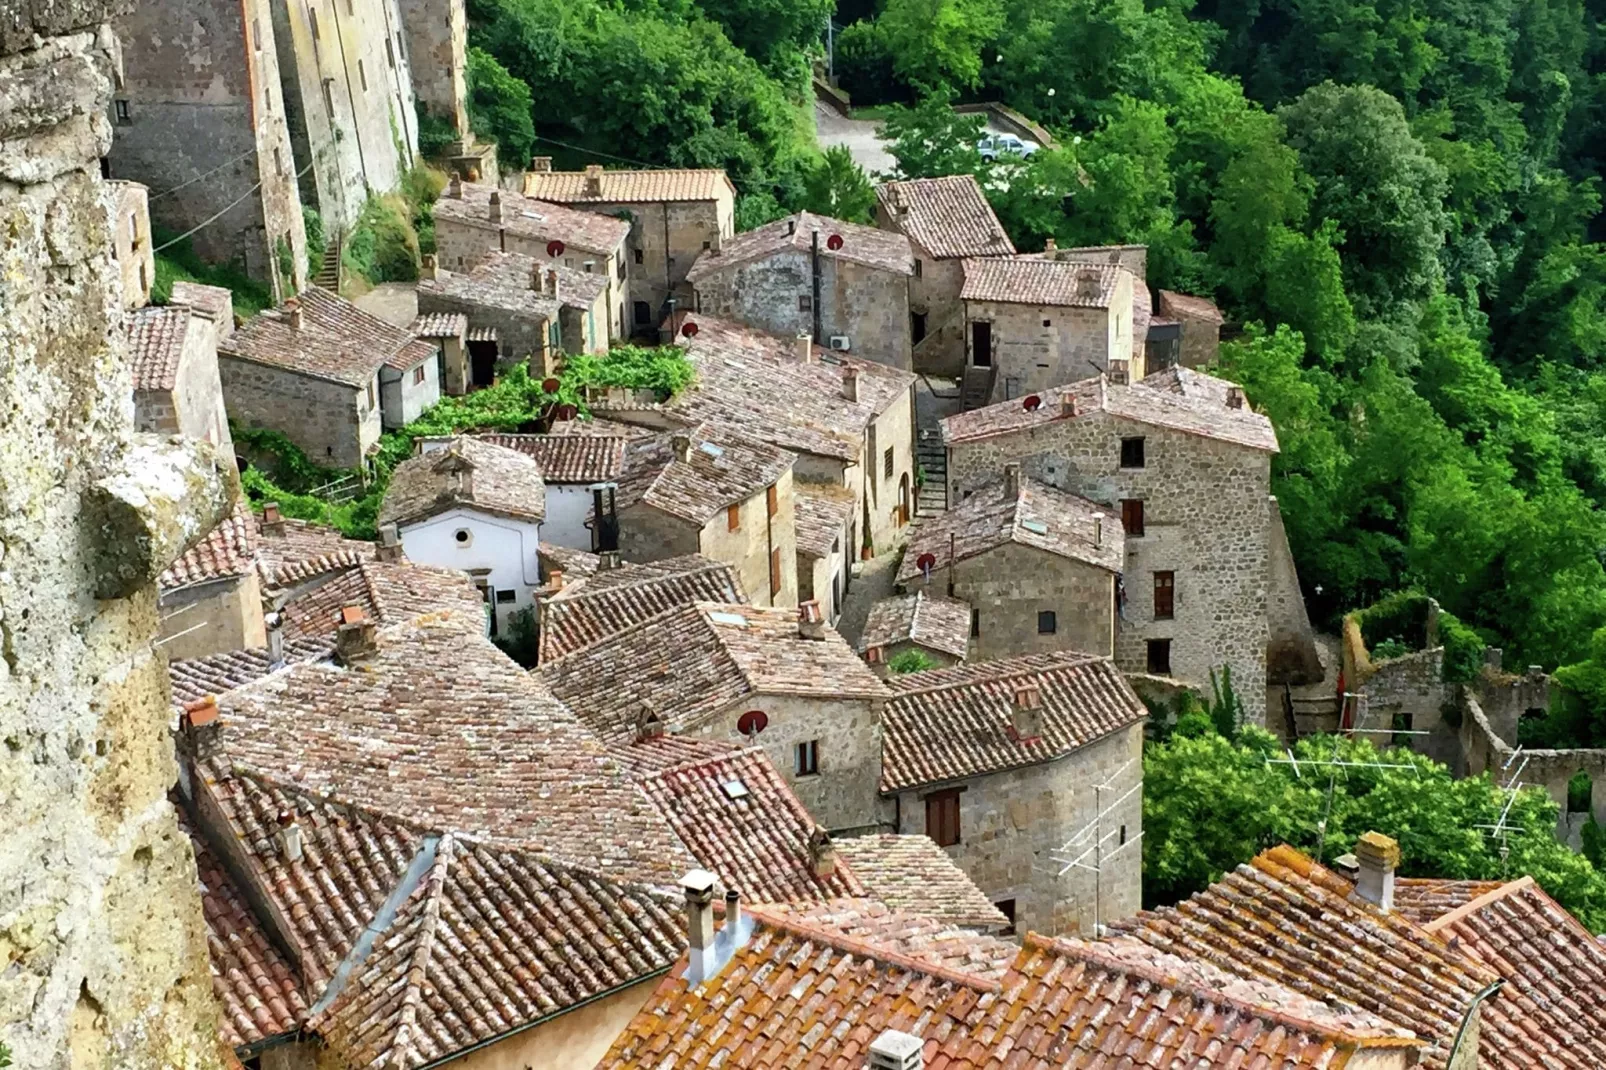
689 329
567 412
550 385
752 723
1031 403
554 248
926 563
834 242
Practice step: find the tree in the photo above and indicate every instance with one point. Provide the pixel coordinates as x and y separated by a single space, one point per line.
836 186
774 32
936 44
500 108
911 660
931 140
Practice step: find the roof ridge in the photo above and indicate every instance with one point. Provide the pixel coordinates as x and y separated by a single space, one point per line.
915 688
423 950
1095 955
866 949
694 763
1472 906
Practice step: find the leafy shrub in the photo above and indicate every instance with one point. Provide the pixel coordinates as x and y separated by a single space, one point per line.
911 660
1389 648
520 639
383 246
1401 618
500 107
180 261
1463 649
317 241
864 65
435 134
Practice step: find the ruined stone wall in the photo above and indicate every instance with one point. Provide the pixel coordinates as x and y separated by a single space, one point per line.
437 55
1483 751
332 422
100 923
1409 692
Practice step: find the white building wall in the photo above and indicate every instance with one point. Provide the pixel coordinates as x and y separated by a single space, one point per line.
508 552
567 505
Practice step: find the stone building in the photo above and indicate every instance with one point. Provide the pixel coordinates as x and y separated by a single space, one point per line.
1185 463
509 311
1038 567
177 391
583 611
825 513
472 220
469 505
103 929
1199 321
448 331
946 220
674 215
1131 258
211 598
131 235
709 491
780 678
840 283
574 467
328 375
939 628
1031 324
1013 764
436 36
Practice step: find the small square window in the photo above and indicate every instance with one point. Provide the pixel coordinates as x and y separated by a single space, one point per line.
1048 323
805 303
1047 622
1006 907
807 758
639 259
507 597
122 110
419 375
733 518
1132 453
707 245
887 463
1159 659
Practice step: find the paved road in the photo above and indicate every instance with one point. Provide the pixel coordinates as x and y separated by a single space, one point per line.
859 135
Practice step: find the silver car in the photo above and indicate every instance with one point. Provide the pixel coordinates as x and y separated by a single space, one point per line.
993 146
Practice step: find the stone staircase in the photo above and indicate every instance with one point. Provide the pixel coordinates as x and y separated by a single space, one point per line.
976 388
933 461
328 276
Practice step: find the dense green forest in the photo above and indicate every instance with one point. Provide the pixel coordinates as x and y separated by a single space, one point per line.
1397 199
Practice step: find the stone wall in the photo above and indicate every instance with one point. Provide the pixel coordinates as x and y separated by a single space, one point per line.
882 494
1408 692
437 55
519 335
759 535
131 231
1484 751
230 610
1291 656
1013 826
934 292
331 421
1206 520
1037 347
665 240
100 924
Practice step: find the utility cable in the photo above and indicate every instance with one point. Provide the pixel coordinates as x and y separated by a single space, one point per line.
220 214
197 178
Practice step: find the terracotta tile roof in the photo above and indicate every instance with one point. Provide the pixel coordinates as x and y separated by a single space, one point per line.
1186 306
1151 401
1035 515
737 816
156 345
611 601
1552 1010
873 248
195 678
534 219
440 727
1283 918
755 383
440 325
490 291
938 623
227 552
696 660
821 513
1054 283
465 473
510 272
297 549
259 990
950 724
574 564
720 469
949 217
215 302
1425 899
568 458
336 341
481 334
908 932
388 592
914 875
624 187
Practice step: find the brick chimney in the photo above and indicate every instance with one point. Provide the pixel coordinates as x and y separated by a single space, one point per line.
893 1050
608 560
541 164
593 180
822 853
454 188
804 345
289 837
200 728
390 547
1378 857
535 276
272 519
292 313
1235 397
554 579
850 384
552 284
698 886
1026 711
1068 404
1011 480
682 447
1050 245
810 622
495 211
356 638
648 725
1119 372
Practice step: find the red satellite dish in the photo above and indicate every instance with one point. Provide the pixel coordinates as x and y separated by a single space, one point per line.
567 412
550 385
1031 403
689 329
554 248
926 562
752 722
834 242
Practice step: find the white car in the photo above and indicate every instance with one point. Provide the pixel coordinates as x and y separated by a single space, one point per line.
993 146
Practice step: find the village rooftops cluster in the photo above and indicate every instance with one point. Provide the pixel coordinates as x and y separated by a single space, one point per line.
588 611
512 283
937 623
1061 283
467 472
809 233
321 335
695 473
949 217
542 221
568 458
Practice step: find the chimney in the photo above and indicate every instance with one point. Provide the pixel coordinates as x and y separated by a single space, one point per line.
1235 397
649 725
810 622
593 180
1119 372
552 284
535 276
1068 404
272 519
541 164
893 1050
495 214
804 346
200 729
1011 480
875 655
355 640
607 560
699 888
1026 712
682 446
791 226
390 548
292 314
591 267
428 267
554 579
1050 245
1378 858
289 837
850 383
273 625
1098 530
1088 284
733 911
822 853
454 188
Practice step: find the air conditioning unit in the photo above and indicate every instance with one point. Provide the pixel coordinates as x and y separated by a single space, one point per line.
841 343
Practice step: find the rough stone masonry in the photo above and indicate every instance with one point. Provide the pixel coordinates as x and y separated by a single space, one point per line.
103 958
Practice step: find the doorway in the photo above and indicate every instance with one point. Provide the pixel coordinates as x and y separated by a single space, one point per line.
917 326
903 500
981 344
482 364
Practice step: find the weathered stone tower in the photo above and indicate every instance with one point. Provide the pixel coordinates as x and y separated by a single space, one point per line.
103 959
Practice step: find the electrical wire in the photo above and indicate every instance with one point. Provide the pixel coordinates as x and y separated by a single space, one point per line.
596 152
197 178
220 214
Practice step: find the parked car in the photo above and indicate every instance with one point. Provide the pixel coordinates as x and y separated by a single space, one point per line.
992 146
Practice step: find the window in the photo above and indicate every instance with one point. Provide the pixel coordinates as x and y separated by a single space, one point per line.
919 269
772 500
122 110
463 536
329 97
807 758
733 518
1006 907
1132 453
312 18
707 245
1402 730
975 623
1047 622
775 573
256 34
418 375
362 76
390 54
351 8
886 463
1165 595
805 303
643 310
942 817
506 597
1048 323
1160 657
917 326
638 256
1132 516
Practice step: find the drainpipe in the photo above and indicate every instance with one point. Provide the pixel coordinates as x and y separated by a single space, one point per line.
669 281
819 336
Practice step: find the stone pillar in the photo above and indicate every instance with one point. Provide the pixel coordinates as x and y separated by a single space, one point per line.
100 921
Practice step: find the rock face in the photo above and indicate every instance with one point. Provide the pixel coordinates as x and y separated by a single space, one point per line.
103 959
